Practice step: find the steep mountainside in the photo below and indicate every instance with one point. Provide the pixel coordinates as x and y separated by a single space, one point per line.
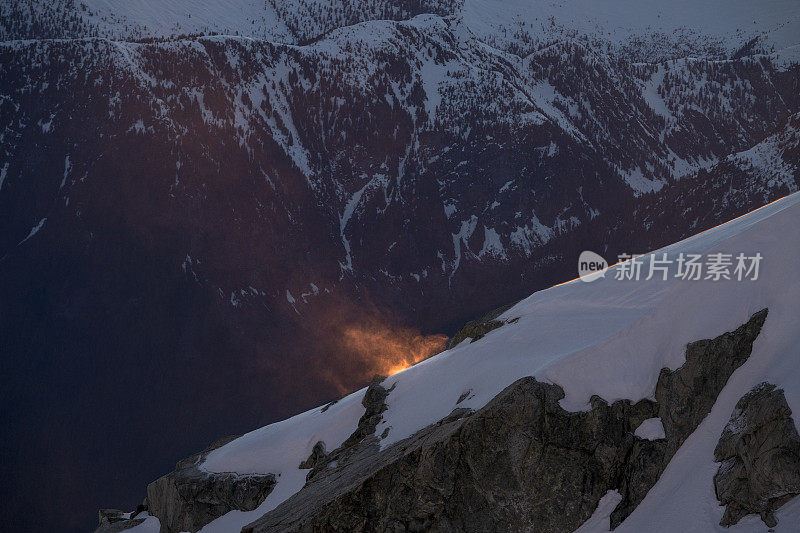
242 196
638 404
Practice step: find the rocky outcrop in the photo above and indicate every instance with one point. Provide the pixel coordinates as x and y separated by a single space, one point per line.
318 454
759 452
361 440
476 471
188 498
374 403
521 463
114 520
685 396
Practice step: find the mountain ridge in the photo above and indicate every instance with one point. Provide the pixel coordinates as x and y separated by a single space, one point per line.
642 328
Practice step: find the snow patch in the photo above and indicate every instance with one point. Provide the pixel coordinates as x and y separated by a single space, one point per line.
34 230
3 172
600 521
651 429
492 245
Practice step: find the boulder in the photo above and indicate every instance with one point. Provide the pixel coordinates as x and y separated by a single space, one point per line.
759 456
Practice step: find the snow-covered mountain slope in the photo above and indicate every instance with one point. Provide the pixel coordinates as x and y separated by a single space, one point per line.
284 21
483 154
609 337
573 129
647 30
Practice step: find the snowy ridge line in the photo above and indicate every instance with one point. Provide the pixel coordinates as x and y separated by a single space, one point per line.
491 31
668 246
778 54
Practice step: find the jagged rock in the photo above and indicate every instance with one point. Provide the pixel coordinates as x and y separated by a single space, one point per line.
317 454
521 463
464 396
329 405
685 396
374 402
118 526
363 437
759 452
646 462
188 498
456 414
114 521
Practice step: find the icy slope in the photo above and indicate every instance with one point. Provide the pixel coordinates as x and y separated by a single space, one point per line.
608 337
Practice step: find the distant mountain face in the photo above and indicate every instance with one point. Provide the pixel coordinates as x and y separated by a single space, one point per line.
272 213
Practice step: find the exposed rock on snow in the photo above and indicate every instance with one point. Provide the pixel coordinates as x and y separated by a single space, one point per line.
759 451
114 520
375 403
188 498
685 396
361 439
317 455
522 462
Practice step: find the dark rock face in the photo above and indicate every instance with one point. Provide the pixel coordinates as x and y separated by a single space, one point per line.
188 498
759 452
476 471
687 394
110 515
374 403
685 397
521 463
